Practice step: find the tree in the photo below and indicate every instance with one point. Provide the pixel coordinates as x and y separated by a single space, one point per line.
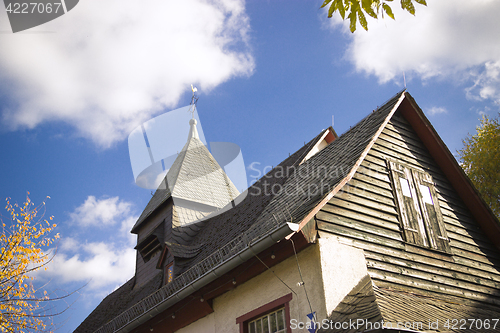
21 244
480 159
356 9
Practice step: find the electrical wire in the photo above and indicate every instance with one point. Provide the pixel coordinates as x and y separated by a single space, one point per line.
302 279
275 274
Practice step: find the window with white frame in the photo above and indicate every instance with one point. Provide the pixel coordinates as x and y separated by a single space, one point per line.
273 322
273 317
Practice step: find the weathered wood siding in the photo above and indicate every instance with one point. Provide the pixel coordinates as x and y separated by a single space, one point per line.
365 215
144 271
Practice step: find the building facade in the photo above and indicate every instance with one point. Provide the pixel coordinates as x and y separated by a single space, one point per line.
376 230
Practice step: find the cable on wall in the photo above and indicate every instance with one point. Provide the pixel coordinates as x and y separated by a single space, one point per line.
301 278
275 274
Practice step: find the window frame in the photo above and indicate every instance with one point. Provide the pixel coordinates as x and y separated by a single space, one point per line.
282 302
421 220
149 247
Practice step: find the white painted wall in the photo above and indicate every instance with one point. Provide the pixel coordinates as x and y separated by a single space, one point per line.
328 268
342 267
203 325
265 288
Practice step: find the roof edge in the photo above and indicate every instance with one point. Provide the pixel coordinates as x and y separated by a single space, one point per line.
137 314
138 225
452 170
351 173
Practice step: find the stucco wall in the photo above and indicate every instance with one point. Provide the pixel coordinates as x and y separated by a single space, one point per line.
330 270
265 288
342 267
203 325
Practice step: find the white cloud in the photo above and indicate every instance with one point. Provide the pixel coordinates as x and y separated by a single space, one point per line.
486 83
126 226
449 39
101 212
436 110
67 244
98 264
111 64
103 264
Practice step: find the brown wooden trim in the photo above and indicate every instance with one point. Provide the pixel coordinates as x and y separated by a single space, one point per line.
331 136
260 311
287 318
452 170
354 168
264 309
163 255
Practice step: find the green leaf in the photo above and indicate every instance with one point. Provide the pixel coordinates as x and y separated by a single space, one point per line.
367 7
408 6
362 20
341 9
388 10
353 17
422 2
325 3
332 9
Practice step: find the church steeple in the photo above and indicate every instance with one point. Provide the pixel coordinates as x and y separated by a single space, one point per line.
194 187
197 183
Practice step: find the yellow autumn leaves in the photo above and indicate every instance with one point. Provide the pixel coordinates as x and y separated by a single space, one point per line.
21 241
480 159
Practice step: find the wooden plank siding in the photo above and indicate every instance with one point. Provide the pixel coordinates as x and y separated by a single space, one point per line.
365 215
144 271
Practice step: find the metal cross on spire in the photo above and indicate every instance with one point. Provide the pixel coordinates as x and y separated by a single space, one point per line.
194 100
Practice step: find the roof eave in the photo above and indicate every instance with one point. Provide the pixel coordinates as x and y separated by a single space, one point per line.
251 250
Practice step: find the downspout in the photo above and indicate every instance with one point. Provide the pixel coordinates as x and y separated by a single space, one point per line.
252 249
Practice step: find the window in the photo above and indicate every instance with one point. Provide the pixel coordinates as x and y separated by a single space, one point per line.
151 244
169 272
149 247
273 322
419 209
273 317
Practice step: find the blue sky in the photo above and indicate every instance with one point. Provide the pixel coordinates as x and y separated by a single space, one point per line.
270 74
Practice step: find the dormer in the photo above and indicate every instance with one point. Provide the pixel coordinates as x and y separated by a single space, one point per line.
328 137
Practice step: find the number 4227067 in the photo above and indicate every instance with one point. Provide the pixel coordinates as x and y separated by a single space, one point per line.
33 7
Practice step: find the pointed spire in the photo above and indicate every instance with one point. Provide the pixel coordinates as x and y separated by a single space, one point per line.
193 132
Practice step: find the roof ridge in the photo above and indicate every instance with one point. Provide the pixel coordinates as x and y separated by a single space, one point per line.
397 100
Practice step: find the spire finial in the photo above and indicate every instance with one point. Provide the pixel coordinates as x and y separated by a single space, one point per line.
193 132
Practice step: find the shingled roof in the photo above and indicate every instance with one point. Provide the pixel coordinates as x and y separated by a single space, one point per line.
241 218
297 189
369 307
301 187
118 301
